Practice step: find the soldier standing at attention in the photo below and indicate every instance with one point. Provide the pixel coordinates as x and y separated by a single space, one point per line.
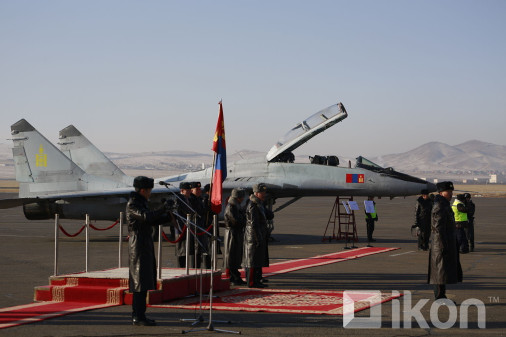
444 263
142 262
235 220
254 237
423 212
183 208
197 202
470 221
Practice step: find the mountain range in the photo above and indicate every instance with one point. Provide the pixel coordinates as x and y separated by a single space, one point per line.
470 157
433 159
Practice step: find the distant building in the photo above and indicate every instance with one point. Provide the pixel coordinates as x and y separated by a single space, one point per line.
493 179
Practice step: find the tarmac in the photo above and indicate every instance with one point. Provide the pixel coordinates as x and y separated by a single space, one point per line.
27 261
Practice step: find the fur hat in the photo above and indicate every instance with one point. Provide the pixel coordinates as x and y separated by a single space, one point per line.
259 188
237 193
444 186
185 186
196 184
424 191
143 182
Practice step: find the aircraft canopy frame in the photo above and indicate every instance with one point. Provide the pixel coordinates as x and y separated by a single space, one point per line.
307 129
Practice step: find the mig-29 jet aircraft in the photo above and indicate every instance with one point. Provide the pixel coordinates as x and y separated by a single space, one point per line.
81 180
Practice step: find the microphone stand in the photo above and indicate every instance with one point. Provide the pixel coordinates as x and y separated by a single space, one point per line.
210 326
214 239
163 183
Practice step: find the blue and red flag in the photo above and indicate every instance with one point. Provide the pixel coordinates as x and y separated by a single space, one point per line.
220 163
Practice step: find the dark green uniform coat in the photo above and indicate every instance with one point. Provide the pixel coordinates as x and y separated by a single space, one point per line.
142 262
235 220
444 263
255 234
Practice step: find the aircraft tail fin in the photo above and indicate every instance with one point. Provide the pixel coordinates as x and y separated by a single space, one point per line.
88 157
41 168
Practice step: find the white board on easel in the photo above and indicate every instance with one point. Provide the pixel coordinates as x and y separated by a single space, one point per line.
346 207
353 205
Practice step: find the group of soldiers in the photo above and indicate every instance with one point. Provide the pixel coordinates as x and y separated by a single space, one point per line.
463 212
246 235
193 201
245 238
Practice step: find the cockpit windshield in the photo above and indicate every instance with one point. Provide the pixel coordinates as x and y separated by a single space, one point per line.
369 165
361 162
307 129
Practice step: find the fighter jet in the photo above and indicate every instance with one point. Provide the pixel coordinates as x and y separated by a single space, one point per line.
52 183
322 176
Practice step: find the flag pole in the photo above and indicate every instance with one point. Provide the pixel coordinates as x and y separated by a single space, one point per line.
212 177
210 189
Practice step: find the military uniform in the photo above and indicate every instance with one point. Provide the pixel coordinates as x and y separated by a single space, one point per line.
203 249
142 262
183 210
423 210
235 221
471 208
255 239
444 264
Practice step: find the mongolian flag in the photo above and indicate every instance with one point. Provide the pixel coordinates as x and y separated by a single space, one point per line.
355 178
220 163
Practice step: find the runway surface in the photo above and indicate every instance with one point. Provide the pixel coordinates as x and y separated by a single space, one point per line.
27 255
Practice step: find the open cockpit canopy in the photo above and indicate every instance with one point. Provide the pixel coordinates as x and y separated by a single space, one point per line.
307 129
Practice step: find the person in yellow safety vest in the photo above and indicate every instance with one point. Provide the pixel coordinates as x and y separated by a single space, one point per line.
460 213
370 218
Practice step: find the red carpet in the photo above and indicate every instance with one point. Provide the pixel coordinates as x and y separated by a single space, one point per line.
281 301
66 295
35 312
319 260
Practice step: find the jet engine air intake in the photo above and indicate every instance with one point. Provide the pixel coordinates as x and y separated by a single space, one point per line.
41 210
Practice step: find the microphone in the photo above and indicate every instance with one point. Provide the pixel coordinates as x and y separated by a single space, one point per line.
163 183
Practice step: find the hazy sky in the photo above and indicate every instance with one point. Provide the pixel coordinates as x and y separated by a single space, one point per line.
147 75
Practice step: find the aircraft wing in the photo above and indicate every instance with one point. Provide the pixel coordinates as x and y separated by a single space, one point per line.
69 196
307 129
10 203
119 192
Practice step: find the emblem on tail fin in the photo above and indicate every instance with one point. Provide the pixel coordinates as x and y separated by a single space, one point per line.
41 158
